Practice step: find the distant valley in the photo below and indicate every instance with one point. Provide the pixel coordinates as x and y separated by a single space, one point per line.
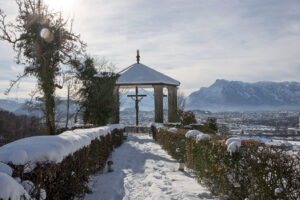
223 95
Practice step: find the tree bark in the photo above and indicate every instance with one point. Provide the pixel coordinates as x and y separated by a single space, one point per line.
68 107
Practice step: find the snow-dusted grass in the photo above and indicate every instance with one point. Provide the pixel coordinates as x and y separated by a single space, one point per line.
144 171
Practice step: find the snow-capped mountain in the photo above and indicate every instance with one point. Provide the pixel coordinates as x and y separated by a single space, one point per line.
226 95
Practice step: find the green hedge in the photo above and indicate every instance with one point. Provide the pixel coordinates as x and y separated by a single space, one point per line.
69 178
254 172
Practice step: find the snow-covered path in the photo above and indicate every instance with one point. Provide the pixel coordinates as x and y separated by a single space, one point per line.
144 171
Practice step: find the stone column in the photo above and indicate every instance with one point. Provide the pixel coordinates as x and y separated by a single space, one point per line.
116 117
158 103
172 104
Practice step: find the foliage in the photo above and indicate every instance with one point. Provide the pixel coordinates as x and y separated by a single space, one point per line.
211 123
97 100
13 127
223 129
254 172
68 179
42 42
186 117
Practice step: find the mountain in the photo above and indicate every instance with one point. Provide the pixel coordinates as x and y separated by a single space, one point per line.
146 104
226 95
10 105
20 108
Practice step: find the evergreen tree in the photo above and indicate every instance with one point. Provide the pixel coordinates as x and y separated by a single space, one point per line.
211 123
96 93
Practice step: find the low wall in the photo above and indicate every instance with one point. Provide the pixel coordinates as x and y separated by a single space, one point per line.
56 167
254 171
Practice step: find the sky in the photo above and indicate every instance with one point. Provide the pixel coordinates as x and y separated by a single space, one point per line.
192 41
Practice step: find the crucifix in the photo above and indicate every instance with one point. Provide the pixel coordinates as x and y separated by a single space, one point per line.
137 98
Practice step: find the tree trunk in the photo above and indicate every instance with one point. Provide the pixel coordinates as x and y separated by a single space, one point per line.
48 87
68 106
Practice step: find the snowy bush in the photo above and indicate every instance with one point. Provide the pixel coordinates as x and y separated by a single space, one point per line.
4 168
233 144
202 137
62 176
172 142
11 189
192 133
256 171
172 130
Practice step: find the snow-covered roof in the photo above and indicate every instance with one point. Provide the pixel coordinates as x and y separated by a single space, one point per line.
139 74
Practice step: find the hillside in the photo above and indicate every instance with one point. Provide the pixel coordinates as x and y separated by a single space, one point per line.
226 95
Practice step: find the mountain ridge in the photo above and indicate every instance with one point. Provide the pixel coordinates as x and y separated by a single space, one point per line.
224 95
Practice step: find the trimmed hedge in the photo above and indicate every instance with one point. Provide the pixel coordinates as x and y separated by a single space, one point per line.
69 178
256 171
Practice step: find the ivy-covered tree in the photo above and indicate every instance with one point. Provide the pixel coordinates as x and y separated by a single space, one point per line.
96 93
42 41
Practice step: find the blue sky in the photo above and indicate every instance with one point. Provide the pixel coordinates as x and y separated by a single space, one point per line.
193 41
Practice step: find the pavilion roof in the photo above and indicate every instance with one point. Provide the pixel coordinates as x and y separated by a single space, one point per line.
140 74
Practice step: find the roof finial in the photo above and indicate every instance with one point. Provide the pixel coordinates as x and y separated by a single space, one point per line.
138 56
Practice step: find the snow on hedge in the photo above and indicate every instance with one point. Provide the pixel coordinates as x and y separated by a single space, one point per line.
233 144
158 125
192 133
174 130
203 136
4 168
11 189
51 148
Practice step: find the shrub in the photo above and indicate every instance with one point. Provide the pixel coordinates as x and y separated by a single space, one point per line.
186 117
255 171
69 178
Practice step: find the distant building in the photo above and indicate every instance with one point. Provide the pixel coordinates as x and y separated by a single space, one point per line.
294 131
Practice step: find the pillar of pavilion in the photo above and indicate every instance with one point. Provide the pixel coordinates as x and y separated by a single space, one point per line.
141 76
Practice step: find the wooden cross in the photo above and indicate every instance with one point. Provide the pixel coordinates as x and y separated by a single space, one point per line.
137 100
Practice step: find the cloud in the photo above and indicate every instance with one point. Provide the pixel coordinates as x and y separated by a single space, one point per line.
17 68
195 41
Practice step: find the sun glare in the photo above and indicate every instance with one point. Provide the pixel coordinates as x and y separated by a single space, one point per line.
67 7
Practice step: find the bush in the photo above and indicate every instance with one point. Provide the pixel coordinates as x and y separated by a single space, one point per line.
256 171
69 178
186 117
211 124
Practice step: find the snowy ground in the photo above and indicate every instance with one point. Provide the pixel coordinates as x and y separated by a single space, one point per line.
144 171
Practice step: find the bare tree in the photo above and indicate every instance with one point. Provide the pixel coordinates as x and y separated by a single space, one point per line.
181 101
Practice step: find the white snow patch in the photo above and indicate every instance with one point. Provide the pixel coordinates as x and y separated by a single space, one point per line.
278 191
11 189
233 144
28 186
174 130
43 194
4 168
192 133
51 148
200 137
157 125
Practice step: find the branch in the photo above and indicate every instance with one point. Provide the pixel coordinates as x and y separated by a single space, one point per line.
14 82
